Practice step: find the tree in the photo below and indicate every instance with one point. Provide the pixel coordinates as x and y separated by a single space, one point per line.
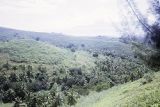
37 38
129 27
71 98
148 51
95 55
152 30
7 66
83 45
13 77
8 96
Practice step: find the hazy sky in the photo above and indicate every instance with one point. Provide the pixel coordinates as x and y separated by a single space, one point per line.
75 17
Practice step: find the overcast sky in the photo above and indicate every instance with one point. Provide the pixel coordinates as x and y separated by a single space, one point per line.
74 17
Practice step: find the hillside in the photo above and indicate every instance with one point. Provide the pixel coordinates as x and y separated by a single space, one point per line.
42 69
36 52
80 53
100 44
132 94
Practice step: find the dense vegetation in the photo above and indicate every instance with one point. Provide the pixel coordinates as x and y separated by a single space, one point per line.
35 73
54 70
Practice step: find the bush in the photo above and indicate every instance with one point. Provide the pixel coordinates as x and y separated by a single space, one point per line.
37 38
2 79
32 101
73 50
8 96
7 66
95 54
75 71
13 77
102 86
147 78
83 45
71 98
38 86
42 69
83 91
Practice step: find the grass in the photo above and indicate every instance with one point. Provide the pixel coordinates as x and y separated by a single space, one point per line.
31 51
6 105
36 52
132 94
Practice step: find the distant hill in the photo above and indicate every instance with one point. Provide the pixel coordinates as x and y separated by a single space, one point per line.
100 44
8 34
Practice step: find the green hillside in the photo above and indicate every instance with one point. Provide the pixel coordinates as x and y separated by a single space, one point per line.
66 76
36 52
100 44
132 94
31 51
37 74
80 53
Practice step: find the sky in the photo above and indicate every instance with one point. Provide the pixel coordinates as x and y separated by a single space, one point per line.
72 17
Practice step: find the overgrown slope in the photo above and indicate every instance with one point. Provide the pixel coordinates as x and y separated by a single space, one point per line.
62 75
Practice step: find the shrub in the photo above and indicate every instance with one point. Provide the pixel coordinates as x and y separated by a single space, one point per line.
6 86
73 50
14 68
7 66
75 71
2 79
82 45
82 91
13 77
32 101
37 38
102 86
42 69
71 99
95 54
70 46
58 100
147 78
8 96
37 86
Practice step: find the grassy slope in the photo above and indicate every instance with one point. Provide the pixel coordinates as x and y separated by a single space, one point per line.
35 52
30 51
6 105
132 94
